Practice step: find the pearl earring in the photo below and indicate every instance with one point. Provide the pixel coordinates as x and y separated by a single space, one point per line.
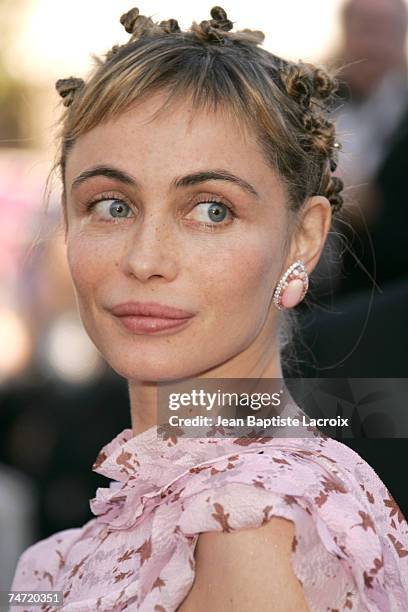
292 286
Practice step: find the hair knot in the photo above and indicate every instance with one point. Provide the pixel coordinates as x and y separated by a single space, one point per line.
169 26
212 30
324 84
129 19
321 135
303 82
67 88
298 84
335 187
311 122
138 25
220 20
209 32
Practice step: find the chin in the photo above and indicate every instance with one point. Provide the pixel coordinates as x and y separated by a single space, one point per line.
155 370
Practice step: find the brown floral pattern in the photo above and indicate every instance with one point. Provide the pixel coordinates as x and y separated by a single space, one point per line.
350 549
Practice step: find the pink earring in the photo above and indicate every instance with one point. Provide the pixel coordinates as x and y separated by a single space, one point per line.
292 286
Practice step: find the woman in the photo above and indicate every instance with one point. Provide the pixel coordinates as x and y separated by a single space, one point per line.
198 192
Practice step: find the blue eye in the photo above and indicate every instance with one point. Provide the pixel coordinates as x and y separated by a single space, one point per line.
118 209
217 211
213 211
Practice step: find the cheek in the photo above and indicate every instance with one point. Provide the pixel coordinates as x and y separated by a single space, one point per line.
239 277
87 261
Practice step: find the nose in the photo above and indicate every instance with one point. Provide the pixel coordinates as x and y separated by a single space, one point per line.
151 251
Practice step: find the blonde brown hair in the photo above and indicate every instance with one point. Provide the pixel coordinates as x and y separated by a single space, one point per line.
285 103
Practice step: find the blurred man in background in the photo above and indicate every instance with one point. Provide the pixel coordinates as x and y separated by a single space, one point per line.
361 330
372 124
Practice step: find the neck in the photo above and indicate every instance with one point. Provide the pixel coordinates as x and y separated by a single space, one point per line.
255 362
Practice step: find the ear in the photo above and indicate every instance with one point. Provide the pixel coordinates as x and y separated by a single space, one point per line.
311 229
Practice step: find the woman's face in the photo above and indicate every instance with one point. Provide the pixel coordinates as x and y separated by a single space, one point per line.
212 247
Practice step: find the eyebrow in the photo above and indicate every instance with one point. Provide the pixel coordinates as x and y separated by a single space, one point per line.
184 181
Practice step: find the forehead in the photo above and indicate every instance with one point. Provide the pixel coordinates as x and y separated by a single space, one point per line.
178 139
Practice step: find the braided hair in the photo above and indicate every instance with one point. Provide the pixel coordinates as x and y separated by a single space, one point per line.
288 103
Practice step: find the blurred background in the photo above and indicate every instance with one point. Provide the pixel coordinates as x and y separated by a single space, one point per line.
54 386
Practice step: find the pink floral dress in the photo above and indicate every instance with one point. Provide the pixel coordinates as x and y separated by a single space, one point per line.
350 550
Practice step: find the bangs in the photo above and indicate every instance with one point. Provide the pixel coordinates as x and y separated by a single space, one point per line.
213 79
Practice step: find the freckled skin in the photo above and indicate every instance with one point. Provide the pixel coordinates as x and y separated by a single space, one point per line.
163 253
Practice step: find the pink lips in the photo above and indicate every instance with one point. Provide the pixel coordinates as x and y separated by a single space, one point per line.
150 317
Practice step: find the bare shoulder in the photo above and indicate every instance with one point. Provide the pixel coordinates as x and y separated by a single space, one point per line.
249 569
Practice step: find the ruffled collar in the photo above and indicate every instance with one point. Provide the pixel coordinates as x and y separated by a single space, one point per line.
142 468
154 455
